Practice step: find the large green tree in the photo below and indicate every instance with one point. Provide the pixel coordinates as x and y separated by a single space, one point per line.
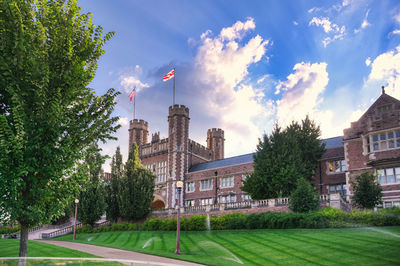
113 186
48 115
367 191
137 188
92 197
284 157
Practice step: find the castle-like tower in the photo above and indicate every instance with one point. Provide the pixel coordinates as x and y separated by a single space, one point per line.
138 132
215 143
178 140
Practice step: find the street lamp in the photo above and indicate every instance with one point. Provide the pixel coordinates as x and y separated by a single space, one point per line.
76 213
179 186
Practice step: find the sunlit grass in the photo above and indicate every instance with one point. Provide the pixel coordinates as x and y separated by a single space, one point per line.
353 246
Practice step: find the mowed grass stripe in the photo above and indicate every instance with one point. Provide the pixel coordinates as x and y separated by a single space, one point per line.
241 251
292 250
341 247
287 256
127 240
201 250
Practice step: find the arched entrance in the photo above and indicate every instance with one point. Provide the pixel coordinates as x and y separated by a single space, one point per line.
158 203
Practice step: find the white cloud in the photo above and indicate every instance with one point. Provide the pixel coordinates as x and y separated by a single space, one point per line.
386 69
364 23
314 9
368 61
295 23
395 32
302 92
335 31
220 67
129 79
397 18
123 121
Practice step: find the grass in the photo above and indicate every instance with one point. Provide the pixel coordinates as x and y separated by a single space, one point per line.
10 247
360 246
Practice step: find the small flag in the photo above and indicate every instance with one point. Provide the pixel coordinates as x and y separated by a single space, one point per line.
170 75
132 93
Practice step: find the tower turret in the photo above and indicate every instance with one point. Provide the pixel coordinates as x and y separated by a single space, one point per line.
178 141
215 143
138 132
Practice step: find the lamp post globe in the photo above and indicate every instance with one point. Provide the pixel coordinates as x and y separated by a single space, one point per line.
76 213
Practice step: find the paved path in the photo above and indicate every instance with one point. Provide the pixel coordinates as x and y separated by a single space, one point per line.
113 253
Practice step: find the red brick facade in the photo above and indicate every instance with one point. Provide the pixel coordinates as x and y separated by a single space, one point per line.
210 179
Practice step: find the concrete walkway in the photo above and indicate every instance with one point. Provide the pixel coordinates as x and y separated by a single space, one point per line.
113 253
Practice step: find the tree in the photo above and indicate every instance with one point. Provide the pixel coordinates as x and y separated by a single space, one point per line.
137 188
284 157
91 199
113 186
367 191
304 198
48 116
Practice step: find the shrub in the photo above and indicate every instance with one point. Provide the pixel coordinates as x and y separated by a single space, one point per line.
194 223
9 229
85 229
153 224
304 198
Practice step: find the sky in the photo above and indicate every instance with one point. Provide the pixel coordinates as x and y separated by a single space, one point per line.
244 66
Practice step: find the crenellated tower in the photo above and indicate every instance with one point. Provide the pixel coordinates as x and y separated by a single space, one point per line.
138 132
215 143
178 141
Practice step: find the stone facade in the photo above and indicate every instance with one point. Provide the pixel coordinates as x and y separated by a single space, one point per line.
371 144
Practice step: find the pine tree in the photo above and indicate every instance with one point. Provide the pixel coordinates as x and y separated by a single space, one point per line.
113 186
137 188
284 157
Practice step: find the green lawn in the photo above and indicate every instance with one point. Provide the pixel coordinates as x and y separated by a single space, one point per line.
360 246
10 247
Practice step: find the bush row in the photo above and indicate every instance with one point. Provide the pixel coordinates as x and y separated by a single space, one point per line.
4 230
325 218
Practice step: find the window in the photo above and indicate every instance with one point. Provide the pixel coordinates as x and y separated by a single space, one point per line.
227 199
206 184
384 141
160 170
246 198
337 166
189 203
190 187
338 188
207 201
389 175
227 181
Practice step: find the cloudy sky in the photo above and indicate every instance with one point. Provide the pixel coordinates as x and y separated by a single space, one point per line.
243 65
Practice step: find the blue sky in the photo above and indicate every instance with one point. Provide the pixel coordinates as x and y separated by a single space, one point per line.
243 65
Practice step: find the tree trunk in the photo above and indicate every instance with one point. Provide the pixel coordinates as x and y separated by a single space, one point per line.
23 242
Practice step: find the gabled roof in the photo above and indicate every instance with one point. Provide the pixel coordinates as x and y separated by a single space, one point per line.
384 99
248 158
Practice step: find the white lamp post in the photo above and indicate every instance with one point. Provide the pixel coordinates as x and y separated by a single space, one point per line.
179 186
76 213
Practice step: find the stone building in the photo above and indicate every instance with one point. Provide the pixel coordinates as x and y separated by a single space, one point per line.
371 144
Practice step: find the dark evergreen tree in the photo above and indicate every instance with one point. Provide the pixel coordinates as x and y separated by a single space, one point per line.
367 191
91 199
113 186
137 188
304 198
284 157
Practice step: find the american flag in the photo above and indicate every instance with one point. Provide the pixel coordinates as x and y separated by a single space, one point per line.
169 75
132 93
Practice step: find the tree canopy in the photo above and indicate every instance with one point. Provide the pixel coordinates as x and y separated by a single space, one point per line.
284 157
48 115
304 198
113 186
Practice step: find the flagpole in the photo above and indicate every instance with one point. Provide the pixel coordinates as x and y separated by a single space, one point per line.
134 105
174 86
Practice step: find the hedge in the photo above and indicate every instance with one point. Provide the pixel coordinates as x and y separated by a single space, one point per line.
325 218
4 230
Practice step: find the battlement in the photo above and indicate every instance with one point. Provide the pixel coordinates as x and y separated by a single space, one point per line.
215 132
155 147
155 137
178 110
139 124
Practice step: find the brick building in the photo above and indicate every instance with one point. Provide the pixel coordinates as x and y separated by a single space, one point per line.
371 144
